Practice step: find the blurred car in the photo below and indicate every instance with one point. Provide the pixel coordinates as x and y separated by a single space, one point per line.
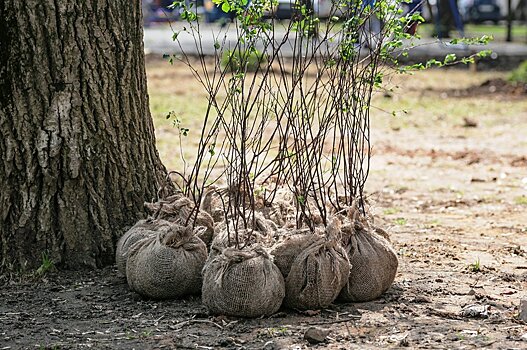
158 11
164 11
479 11
284 9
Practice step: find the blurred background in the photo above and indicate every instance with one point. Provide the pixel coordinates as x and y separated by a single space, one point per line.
504 19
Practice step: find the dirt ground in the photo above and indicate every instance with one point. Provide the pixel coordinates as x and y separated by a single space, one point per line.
448 181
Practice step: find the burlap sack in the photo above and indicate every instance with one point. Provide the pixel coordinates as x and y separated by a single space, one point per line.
373 259
286 251
282 208
261 233
140 230
177 209
260 224
269 216
212 202
167 264
315 269
263 225
242 283
221 240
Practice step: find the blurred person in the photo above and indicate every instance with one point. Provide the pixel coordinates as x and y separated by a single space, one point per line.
448 18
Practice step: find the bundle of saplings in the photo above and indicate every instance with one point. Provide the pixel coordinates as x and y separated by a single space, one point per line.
142 229
167 264
315 267
373 259
242 282
181 210
309 135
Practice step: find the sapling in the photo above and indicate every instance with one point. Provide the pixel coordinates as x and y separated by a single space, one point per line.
289 103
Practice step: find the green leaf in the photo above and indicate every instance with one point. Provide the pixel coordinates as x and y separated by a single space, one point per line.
211 150
417 17
377 80
451 57
401 221
433 62
466 60
301 200
225 7
175 4
484 53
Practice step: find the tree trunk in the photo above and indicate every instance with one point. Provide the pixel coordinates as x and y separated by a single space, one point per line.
77 147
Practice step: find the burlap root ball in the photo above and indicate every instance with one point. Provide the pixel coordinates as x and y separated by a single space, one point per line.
140 230
268 218
212 202
286 251
374 263
167 264
177 209
242 283
260 235
315 268
282 208
221 240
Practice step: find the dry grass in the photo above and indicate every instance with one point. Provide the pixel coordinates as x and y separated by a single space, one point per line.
419 100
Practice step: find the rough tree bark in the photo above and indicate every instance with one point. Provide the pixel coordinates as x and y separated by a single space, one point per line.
77 145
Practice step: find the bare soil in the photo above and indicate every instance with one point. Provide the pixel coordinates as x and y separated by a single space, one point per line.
454 199
497 87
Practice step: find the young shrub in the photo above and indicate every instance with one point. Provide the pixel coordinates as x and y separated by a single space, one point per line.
301 120
168 264
316 268
242 283
373 259
142 229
